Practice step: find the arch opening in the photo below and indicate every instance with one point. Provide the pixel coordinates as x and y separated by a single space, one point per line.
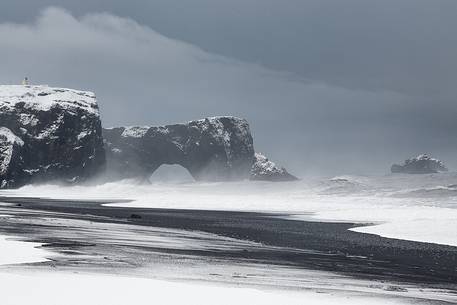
171 173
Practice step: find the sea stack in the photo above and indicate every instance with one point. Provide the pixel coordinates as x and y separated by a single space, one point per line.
422 164
265 170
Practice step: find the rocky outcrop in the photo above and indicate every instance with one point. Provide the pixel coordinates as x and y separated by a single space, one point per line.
55 134
48 133
266 170
212 149
422 164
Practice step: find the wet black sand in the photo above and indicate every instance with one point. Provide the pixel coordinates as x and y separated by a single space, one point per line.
280 241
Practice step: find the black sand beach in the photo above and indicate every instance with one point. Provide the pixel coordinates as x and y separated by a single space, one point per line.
271 240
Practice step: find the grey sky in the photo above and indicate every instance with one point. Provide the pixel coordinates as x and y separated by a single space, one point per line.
327 85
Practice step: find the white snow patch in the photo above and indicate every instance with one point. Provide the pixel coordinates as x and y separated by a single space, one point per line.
28 119
83 134
10 137
76 289
19 252
417 229
135 131
32 171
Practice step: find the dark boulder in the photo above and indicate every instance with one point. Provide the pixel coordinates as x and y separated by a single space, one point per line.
266 170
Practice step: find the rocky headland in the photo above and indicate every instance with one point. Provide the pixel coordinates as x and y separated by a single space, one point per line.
56 134
48 133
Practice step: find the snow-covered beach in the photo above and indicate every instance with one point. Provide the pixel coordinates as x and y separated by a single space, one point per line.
77 289
228 152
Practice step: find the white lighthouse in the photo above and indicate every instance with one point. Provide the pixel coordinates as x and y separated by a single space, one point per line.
25 81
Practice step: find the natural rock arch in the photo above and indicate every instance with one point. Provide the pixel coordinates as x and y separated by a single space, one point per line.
214 149
55 134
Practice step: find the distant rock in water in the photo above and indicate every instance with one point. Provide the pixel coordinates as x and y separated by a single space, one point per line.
266 170
422 164
48 133
211 149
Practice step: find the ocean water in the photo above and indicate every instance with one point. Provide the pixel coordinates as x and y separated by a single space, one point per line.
412 207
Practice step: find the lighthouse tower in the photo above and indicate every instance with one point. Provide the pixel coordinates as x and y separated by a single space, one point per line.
25 81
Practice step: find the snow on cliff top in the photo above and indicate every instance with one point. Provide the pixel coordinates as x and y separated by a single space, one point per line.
213 119
424 157
217 118
43 97
135 131
241 126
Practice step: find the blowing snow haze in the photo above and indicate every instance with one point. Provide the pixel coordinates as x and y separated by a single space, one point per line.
328 86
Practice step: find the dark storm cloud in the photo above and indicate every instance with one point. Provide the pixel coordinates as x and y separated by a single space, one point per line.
399 45
363 83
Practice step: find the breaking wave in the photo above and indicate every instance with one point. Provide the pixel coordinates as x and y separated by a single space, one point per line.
418 207
343 185
438 191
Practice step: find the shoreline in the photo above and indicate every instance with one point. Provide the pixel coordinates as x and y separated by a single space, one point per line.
331 242
271 248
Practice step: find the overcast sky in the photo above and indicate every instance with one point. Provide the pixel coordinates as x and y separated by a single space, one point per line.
330 86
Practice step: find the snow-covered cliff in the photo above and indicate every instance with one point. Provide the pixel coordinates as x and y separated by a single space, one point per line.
217 148
55 134
50 133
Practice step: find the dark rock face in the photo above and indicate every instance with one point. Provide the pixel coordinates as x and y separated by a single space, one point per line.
422 164
48 133
212 149
266 170
11 149
55 134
